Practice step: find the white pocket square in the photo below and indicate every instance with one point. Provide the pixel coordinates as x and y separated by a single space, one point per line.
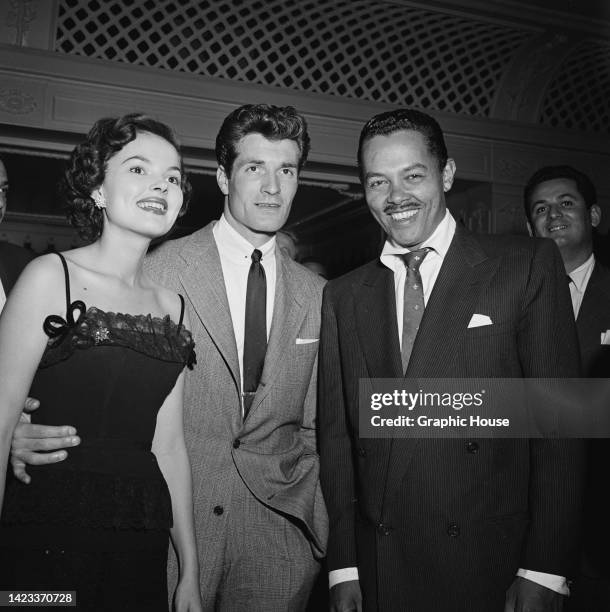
479 320
306 340
605 337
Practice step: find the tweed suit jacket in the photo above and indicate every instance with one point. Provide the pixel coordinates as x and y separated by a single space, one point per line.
274 448
443 525
12 261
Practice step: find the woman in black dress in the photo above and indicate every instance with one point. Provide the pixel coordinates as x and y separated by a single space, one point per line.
104 348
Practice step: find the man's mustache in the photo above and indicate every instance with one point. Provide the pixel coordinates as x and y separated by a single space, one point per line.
410 203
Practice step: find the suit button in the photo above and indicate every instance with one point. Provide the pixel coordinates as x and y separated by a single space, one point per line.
383 529
362 452
236 443
218 510
453 530
472 447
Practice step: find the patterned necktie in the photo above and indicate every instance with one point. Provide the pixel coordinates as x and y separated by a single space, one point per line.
413 309
255 329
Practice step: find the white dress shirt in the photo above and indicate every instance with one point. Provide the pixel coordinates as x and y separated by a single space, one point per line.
235 259
580 279
2 297
439 243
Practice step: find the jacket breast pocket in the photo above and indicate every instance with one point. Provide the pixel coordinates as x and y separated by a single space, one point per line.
486 331
305 352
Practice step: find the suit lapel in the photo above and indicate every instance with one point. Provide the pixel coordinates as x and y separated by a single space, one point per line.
204 284
374 299
375 306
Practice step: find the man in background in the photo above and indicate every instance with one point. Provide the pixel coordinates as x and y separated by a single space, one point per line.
561 204
12 257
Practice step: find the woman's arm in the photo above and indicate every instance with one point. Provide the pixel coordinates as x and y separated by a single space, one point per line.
37 293
170 450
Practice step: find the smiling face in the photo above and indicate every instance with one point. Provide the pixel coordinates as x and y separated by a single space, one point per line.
142 186
558 211
262 185
403 186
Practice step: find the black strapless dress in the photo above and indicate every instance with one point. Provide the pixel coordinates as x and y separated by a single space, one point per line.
98 522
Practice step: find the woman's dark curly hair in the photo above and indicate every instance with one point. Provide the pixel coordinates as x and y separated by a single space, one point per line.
87 167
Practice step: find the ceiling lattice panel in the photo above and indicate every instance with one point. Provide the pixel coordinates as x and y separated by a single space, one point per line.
377 51
579 95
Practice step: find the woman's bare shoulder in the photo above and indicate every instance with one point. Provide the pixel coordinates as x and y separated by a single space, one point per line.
45 270
40 287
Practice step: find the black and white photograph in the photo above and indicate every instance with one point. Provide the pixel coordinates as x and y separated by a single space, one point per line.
305 305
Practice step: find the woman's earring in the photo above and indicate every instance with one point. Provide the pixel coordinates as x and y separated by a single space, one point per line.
99 199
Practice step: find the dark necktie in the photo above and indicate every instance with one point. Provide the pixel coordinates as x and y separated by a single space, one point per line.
413 303
255 329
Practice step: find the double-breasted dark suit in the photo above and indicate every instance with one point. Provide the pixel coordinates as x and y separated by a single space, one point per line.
272 453
443 525
12 261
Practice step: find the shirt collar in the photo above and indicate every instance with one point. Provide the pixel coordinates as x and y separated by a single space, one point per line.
232 245
580 276
439 241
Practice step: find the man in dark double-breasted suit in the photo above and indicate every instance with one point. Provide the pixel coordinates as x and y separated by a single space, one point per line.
436 525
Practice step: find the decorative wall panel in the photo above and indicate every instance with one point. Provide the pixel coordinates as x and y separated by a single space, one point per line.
578 96
363 49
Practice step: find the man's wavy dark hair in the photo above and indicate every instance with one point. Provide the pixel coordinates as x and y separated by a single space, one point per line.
87 167
272 122
389 122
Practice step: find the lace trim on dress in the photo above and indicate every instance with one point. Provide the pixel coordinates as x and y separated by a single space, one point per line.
158 337
88 499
